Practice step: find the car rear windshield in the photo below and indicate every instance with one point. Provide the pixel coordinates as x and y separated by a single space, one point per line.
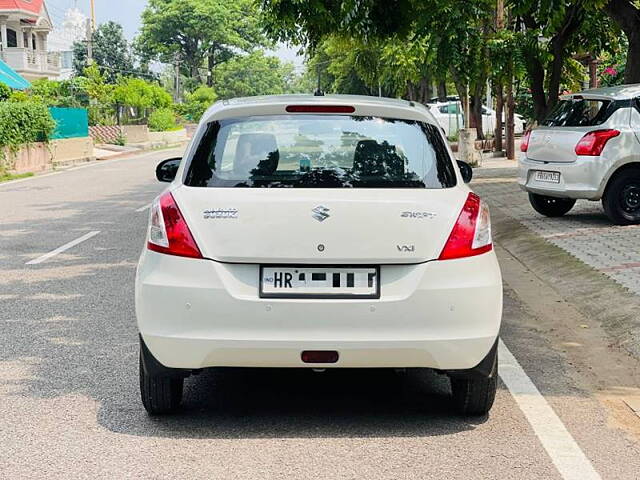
581 112
321 151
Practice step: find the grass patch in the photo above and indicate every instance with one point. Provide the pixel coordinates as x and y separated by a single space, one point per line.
6 177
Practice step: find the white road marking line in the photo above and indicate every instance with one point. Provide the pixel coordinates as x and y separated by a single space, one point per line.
142 209
64 247
565 453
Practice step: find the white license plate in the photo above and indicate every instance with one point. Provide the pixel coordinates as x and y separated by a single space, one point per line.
319 282
548 177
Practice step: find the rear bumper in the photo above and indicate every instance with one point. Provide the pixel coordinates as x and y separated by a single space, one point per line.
200 313
580 179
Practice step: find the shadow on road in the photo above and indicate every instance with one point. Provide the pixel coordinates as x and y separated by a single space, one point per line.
271 403
70 323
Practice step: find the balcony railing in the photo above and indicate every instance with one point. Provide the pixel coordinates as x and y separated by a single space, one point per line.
24 60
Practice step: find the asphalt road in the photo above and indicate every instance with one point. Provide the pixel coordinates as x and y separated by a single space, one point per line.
69 401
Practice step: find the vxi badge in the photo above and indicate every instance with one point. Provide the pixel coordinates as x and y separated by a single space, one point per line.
320 213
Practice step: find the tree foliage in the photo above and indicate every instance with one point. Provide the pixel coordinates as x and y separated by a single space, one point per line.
253 74
137 93
163 120
541 45
111 52
196 103
199 31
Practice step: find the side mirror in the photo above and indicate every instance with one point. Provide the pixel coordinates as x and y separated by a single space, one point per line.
466 171
167 169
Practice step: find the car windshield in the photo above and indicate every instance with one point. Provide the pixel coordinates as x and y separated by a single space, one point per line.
321 151
580 113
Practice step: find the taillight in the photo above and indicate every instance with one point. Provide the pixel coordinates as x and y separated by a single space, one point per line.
593 143
471 235
524 146
168 231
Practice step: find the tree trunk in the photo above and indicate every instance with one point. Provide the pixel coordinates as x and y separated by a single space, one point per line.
572 21
511 105
627 15
593 72
475 105
499 112
555 77
442 91
211 62
411 92
632 70
423 95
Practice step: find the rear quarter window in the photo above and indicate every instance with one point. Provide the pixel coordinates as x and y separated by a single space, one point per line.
583 112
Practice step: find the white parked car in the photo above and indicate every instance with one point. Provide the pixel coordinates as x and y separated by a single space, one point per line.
318 232
450 116
589 148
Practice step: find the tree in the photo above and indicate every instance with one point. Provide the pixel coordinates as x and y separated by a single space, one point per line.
111 52
551 34
626 14
392 67
198 32
253 74
454 33
140 94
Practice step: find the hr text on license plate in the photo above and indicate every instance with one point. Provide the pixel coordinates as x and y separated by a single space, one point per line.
548 177
319 282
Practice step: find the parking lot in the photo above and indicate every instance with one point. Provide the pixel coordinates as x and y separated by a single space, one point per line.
69 352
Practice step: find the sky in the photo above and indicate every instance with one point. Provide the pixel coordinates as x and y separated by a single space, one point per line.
127 13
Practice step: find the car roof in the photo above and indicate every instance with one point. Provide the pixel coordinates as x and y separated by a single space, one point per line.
276 104
620 92
308 98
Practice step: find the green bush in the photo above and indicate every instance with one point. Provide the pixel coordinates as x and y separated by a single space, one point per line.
162 120
197 103
138 93
23 123
5 92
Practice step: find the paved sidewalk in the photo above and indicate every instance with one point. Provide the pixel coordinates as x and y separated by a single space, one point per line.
585 232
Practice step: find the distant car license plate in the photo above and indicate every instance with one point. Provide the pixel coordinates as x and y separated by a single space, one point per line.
319 282
548 177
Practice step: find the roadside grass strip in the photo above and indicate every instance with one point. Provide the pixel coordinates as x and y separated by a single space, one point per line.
63 248
566 455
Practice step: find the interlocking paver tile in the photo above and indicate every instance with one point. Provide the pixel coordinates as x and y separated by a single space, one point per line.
585 232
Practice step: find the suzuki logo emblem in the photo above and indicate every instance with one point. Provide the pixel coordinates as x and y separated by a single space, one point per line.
320 213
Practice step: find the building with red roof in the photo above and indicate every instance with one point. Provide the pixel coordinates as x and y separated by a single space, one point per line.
24 28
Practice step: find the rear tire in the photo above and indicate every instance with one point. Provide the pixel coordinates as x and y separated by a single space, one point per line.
475 395
160 394
551 206
621 200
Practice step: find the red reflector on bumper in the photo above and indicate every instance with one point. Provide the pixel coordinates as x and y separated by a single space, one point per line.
319 356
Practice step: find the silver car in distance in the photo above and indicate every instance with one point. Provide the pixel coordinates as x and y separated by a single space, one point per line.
587 148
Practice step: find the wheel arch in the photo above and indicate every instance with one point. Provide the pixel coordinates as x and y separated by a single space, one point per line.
634 165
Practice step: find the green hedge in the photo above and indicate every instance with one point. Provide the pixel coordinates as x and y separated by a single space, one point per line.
23 123
162 120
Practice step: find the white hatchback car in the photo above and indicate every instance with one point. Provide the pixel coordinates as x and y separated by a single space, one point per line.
589 148
316 232
451 118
